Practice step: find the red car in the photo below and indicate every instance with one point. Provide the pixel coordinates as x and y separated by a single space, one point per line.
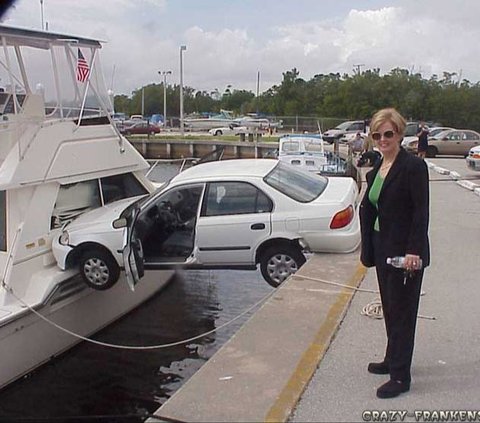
141 127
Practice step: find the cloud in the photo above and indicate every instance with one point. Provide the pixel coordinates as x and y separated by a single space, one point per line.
144 36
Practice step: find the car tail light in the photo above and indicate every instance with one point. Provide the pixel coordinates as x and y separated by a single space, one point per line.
342 218
475 155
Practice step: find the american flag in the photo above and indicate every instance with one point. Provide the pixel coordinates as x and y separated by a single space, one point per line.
83 70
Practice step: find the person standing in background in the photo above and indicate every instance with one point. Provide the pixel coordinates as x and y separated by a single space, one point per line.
422 135
394 216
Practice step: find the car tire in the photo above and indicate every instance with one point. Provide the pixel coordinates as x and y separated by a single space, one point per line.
279 262
431 151
218 133
98 269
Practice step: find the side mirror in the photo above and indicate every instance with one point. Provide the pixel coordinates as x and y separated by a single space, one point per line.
119 223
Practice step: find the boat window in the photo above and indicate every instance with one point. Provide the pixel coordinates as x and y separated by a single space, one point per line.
226 198
3 221
117 187
73 200
296 184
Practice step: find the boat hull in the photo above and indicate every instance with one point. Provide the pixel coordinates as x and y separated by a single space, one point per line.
27 341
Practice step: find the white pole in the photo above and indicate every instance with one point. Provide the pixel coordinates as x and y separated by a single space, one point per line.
41 10
182 128
165 73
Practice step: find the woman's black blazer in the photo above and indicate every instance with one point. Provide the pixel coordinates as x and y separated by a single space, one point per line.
403 211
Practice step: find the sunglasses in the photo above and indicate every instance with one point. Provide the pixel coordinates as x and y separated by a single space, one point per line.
377 136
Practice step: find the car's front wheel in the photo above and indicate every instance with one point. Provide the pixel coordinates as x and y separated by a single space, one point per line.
218 133
99 269
278 263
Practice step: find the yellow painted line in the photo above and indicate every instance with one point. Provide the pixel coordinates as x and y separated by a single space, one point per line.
307 365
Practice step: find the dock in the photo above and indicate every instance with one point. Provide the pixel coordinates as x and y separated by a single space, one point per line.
261 372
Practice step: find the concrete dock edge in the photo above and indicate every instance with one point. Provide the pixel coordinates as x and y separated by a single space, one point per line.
287 400
261 372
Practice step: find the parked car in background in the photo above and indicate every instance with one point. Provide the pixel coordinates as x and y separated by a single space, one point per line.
450 141
473 158
139 127
410 143
231 214
349 127
227 130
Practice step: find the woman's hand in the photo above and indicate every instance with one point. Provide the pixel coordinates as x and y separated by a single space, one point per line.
412 262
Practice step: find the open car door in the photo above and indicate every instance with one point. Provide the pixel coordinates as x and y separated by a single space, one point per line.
132 253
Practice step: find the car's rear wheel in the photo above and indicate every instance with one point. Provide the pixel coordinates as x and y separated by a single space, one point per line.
99 269
431 151
279 262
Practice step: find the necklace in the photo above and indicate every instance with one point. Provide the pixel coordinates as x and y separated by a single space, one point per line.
386 165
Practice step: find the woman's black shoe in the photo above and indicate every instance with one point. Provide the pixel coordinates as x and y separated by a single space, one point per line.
393 388
378 368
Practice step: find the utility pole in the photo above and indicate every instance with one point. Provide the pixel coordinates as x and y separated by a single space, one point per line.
41 11
258 87
182 127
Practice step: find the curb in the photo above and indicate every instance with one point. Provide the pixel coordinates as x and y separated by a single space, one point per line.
455 176
289 397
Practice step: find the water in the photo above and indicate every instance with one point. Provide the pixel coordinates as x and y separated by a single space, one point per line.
91 380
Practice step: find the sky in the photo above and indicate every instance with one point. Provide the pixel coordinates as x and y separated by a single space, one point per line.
229 43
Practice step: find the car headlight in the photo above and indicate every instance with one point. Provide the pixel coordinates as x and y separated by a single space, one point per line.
64 238
475 156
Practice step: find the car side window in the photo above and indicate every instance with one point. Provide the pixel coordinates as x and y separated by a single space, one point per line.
228 198
471 136
454 136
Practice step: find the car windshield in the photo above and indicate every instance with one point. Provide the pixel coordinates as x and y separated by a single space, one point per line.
435 131
296 184
411 130
441 134
141 201
344 126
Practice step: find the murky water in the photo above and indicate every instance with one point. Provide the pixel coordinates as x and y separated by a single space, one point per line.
121 385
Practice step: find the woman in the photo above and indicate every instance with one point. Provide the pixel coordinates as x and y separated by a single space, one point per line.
394 220
422 135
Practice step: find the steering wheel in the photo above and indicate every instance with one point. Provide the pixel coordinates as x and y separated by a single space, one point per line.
168 215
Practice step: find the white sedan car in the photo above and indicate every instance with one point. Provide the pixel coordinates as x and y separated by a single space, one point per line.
231 214
227 130
473 158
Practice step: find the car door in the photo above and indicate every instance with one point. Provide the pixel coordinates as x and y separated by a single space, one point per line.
470 139
235 218
452 143
162 233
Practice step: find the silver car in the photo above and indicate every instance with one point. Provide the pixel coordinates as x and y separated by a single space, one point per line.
449 142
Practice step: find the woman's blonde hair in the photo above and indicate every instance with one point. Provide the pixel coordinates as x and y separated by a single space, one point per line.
388 115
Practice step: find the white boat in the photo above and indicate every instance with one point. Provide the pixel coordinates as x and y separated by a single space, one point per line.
222 119
305 151
60 154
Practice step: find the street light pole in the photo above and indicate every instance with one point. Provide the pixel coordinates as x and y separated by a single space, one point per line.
41 10
182 128
165 73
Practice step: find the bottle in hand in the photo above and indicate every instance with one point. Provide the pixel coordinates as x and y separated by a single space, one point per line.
399 262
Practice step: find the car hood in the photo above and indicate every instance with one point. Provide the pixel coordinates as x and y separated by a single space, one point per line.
475 149
334 132
107 213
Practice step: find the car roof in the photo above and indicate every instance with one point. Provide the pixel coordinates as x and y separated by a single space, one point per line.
240 168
